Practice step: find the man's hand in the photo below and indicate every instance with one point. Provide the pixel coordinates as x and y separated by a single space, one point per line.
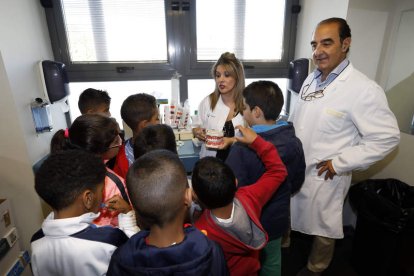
326 166
248 135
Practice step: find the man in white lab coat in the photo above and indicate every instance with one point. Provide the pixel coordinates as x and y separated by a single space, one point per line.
345 124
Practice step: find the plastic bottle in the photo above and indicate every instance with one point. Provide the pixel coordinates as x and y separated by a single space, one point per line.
195 120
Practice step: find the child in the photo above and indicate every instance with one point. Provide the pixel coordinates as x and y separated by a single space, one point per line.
232 217
98 134
161 137
137 111
263 102
71 182
157 183
93 101
155 137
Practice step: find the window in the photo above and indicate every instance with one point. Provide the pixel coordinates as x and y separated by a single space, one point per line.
118 91
151 40
109 31
244 30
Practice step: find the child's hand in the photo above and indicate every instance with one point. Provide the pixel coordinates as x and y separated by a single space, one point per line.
248 135
227 142
117 203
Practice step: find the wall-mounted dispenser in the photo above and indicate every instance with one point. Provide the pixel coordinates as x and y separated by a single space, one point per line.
41 115
55 80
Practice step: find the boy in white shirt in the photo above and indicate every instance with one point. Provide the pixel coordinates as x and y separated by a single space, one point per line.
68 243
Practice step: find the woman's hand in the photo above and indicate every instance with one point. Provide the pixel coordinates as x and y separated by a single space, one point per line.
117 203
199 133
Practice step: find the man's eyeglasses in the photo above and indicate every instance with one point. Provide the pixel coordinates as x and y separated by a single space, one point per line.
313 95
318 94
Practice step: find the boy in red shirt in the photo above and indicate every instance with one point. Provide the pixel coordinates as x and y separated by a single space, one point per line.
232 216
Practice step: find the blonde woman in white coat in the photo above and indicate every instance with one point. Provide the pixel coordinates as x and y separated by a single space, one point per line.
345 124
222 109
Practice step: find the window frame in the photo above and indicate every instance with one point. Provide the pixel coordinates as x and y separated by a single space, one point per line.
254 69
181 60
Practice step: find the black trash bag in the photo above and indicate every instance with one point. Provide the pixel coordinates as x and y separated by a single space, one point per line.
384 234
385 202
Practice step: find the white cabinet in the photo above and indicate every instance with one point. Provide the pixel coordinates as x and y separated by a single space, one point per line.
13 260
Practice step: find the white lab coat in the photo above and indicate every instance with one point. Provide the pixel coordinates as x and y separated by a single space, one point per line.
352 125
215 119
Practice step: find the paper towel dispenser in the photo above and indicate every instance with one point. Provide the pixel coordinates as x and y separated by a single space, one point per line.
55 80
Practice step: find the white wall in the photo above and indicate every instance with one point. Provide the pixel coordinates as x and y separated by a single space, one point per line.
313 11
368 21
16 180
369 48
400 167
397 165
400 69
364 32
24 41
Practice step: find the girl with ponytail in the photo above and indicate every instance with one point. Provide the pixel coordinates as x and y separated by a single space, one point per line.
98 134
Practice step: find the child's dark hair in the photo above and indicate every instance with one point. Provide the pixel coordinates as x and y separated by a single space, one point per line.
90 98
213 182
267 96
64 175
136 108
155 137
156 183
91 132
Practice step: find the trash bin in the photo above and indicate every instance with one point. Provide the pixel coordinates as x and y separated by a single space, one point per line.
383 242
